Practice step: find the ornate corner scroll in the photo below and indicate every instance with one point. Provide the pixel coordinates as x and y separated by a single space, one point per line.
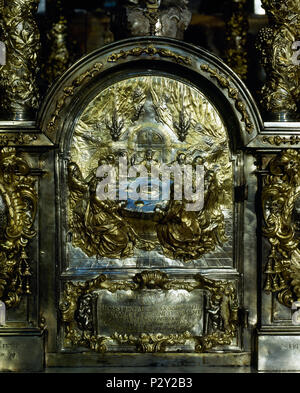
18 203
69 91
281 191
237 26
280 93
77 316
232 93
18 85
150 51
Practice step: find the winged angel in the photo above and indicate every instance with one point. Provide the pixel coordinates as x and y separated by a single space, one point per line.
97 225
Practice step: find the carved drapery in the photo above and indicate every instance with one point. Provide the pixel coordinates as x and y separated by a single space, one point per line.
19 32
76 312
280 94
281 190
236 37
18 210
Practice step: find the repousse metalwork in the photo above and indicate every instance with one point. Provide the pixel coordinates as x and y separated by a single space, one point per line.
233 93
150 50
279 197
280 94
19 90
70 91
223 306
150 134
18 193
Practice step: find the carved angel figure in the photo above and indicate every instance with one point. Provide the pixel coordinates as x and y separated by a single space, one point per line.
97 227
187 235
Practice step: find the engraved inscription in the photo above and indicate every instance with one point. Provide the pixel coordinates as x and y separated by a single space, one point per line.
150 311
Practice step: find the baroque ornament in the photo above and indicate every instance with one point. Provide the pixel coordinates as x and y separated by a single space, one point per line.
19 32
69 91
77 315
280 94
236 37
168 18
18 202
281 191
233 93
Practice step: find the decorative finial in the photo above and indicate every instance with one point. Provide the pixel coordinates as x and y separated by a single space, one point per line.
169 18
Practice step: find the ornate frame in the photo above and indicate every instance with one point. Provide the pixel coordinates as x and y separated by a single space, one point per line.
79 329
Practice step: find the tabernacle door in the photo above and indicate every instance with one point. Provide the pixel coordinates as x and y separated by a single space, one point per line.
151 206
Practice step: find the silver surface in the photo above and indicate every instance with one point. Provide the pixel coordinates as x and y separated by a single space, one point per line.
279 352
153 311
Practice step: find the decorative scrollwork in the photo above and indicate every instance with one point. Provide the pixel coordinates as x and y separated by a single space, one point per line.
232 93
70 91
279 196
150 51
20 204
76 312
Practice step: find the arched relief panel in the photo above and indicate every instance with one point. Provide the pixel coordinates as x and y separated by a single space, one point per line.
150 102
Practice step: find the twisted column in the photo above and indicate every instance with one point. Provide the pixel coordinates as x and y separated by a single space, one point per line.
280 94
19 95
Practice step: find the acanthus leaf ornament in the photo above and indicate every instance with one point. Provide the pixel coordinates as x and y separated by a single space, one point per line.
17 190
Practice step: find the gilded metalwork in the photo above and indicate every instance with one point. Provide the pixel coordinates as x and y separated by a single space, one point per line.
17 139
148 133
279 140
152 343
150 50
280 94
17 189
236 37
279 198
233 93
70 91
79 327
19 32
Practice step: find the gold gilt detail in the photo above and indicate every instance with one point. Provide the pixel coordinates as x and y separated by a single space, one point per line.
150 51
70 91
20 201
223 300
17 139
280 93
232 93
236 38
280 193
279 140
19 32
